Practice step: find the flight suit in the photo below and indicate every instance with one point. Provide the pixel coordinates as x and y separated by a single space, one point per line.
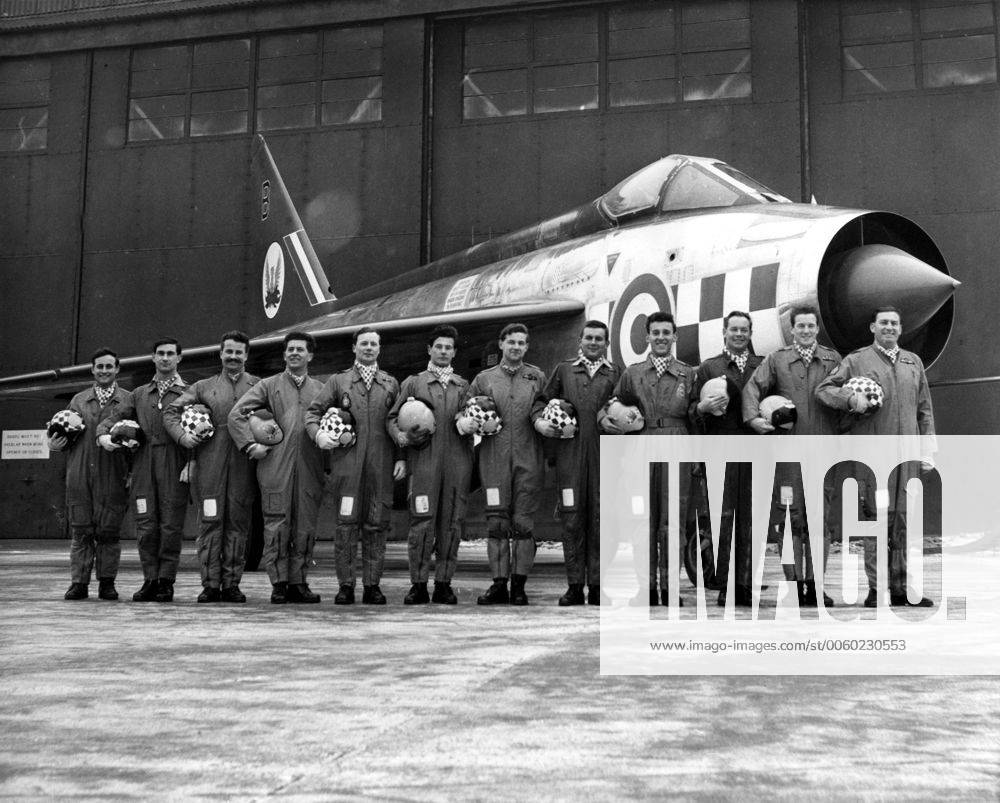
664 401
222 480
360 475
440 474
159 498
730 423
783 372
290 477
95 491
578 461
510 467
906 410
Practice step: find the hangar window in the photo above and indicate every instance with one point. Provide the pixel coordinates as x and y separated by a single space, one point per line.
194 90
320 78
531 65
640 53
24 105
927 44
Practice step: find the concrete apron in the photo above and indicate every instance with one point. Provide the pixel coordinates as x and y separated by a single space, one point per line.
174 701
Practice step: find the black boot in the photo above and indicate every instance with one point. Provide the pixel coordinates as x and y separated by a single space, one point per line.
595 596
147 593
232 594
665 598
808 598
574 596
345 596
373 596
300 594
279 593
517 595
76 591
106 589
496 594
165 590
417 595
744 596
444 594
209 594
800 587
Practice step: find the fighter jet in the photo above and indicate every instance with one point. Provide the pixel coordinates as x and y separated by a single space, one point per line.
686 234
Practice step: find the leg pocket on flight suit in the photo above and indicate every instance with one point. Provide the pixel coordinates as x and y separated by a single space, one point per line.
211 509
420 502
142 507
79 514
273 503
111 517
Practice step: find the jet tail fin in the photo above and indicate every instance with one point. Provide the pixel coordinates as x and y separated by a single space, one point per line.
282 226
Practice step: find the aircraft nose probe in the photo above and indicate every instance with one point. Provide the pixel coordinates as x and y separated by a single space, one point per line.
882 274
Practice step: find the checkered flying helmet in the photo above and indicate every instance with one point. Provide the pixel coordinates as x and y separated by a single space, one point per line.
197 420
263 427
68 424
416 419
127 433
563 414
483 411
337 427
869 387
779 412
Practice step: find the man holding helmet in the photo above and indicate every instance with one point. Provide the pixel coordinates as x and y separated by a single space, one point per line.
362 474
794 372
95 483
587 383
440 469
289 472
223 477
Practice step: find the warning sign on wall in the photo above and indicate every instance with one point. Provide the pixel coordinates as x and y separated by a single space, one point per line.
24 444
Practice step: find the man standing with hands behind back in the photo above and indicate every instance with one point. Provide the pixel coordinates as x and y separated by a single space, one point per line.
223 480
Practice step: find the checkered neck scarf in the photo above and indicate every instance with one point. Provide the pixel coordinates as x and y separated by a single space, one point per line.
660 364
443 374
892 353
104 394
806 354
739 359
163 385
367 373
592 366
298 380
510 369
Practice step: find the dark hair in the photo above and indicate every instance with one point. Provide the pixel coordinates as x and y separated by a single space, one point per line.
736 314
167 341
514 328
104 352
596 325
365 330
885 308
661 317
310 341
237 337
804 309
444 330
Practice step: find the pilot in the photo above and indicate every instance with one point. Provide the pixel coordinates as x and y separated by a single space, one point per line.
794 372
906 410
510 466
95 483
587 383
660 386
361 475
290 473
440 471
222 476
159 498
722 414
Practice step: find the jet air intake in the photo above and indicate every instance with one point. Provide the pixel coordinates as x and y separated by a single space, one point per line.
881 258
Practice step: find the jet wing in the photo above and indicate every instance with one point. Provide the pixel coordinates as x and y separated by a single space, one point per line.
403 347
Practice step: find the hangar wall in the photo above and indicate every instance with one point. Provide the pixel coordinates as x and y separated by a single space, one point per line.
110 238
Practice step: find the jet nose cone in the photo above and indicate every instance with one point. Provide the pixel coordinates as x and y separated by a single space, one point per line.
873 275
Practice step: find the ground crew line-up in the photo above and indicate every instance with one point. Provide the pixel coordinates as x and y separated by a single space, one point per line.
296 441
